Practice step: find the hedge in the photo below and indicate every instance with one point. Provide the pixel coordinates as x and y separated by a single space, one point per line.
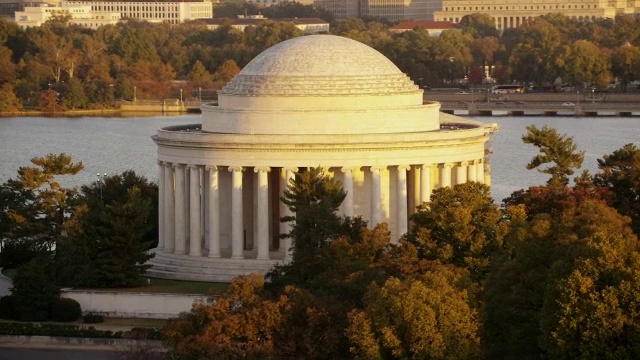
39 329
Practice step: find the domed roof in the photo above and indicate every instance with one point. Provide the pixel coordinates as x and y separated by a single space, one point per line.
320 65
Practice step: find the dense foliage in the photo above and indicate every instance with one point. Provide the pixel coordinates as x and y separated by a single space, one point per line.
59 66
96 236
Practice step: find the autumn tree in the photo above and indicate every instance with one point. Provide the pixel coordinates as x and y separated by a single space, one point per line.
426 318
554 239
8 100
556 149
460 226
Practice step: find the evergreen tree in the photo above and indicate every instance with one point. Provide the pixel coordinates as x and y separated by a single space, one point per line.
47 205
554 148
313 198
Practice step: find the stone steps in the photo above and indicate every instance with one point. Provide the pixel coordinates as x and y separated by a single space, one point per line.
195 268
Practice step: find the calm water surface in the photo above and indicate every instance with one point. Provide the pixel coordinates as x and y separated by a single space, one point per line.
112 145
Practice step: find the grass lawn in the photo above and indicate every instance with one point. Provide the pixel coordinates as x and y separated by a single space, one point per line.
155 285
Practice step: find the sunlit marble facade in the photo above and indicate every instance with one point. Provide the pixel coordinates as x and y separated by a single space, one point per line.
317 100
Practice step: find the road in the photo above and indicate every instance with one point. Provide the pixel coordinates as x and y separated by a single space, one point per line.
22 353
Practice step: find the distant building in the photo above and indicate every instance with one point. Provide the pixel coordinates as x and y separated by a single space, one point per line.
307 25
434 28
80 15
392 10
513 13
168 12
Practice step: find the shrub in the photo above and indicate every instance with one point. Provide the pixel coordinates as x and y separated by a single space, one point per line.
34 290
66 310
92 318
7 307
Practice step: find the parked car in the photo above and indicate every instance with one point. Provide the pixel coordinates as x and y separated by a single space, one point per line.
568 104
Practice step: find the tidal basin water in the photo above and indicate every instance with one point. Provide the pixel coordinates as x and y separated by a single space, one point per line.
113 145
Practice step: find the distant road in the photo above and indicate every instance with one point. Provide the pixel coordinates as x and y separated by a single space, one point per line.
56 354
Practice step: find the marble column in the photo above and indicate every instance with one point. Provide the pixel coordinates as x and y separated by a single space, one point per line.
461 173
169 209
161 206
214 212
180 217
262 213
347 183
376 197
471 171
282 208
237 225
401 204
290 176
480 171
195 235
445 175
425 183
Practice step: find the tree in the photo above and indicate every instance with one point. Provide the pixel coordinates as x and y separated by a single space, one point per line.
461 226
8 100
591 311
620 173
624 64
587 63
537 54
109 235
240 323
34 290
554 148
225 72
49 205
515 326
479 25
428 318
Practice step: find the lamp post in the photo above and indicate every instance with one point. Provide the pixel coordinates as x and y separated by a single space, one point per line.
180 96
200 94
101 182
134 93
593 95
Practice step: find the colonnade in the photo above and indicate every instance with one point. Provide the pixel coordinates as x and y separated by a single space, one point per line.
202 207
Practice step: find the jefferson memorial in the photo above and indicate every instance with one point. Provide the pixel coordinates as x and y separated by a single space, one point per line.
317 100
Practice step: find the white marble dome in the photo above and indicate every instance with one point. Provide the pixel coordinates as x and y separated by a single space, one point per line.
317 65
320 84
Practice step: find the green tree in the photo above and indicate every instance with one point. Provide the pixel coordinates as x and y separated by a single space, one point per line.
49 205
625 62
620 173
73 96
554 148
479 25
34 290
109 235
538 53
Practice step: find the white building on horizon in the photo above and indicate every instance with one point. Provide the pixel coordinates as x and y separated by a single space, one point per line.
80 15
152 11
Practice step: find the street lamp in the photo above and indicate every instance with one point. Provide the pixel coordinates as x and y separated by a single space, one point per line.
200 94
181 96
593 95
101 182
134 94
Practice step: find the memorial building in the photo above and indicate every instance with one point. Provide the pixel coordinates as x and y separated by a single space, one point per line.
317 100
